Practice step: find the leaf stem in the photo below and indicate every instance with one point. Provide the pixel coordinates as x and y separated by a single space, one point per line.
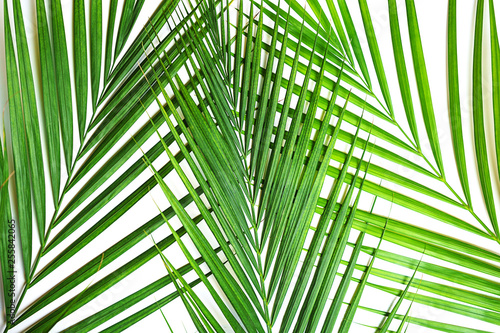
442 178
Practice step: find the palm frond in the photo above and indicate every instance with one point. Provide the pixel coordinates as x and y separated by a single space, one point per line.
270 128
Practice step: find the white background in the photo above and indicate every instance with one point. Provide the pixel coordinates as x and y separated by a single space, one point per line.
432 19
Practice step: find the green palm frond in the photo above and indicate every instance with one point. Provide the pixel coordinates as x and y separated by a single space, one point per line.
278 135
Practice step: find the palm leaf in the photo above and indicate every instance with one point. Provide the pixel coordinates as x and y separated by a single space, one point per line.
266 113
